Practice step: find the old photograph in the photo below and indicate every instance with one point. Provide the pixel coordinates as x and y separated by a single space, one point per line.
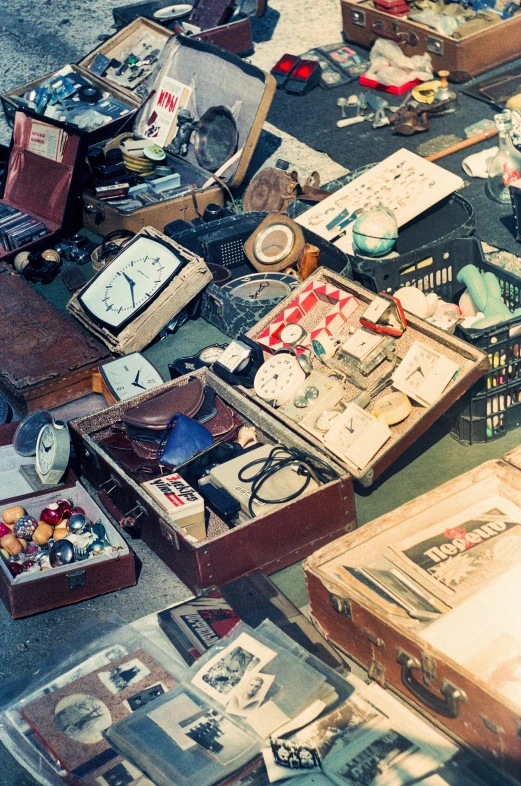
125 674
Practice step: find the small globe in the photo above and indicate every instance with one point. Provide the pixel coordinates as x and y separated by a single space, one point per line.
375 232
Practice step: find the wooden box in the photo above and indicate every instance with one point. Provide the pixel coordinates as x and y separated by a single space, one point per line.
220 78
267 543
473 364
390 647
496 44
32 593
109 48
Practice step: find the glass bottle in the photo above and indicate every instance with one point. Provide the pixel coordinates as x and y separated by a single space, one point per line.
505 167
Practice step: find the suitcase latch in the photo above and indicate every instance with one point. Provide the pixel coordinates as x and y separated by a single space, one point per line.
341 605
169 533
98 211
216 304
358 17
434 45
77 579
377 672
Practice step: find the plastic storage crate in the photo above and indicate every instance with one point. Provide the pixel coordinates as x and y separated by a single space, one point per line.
492 406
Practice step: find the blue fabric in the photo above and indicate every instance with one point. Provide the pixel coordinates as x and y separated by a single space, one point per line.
182 439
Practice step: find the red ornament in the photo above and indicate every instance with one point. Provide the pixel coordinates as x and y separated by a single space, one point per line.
4 529
77 509
15 568
65 507
52 514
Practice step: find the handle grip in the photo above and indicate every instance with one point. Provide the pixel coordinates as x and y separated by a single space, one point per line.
447 706
404 37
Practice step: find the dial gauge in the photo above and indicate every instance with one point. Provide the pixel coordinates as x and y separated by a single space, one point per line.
129 375
209 355
128 284
279 378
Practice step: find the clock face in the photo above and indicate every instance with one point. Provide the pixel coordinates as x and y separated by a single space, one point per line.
362 343
46 450
292 333
125 286
235 357
274 243
130 375
210 354
261 290
279 378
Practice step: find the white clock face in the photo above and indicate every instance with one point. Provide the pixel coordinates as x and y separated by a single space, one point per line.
210 354
279 378
292 333
362 343
46 450
126 285
130 375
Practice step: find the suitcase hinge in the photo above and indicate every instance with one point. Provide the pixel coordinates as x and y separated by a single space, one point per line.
77 579
491 726
341 605
376 640
377 672
90 455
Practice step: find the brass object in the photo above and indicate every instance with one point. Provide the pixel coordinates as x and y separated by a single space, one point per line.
309 261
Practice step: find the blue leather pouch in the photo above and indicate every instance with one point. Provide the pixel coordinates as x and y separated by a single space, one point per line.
182 439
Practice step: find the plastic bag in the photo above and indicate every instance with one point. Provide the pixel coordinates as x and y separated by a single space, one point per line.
389 66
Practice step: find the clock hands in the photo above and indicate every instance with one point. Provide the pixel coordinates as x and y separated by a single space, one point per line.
416 371
131 284
136 383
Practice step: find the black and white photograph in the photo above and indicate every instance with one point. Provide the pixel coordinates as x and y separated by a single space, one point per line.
294 755
175 716
82 718
123 774
125 674
249 694
223 673
218 737
144 697
380 762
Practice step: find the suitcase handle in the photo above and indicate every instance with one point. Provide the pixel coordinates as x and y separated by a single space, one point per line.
402 38
447 706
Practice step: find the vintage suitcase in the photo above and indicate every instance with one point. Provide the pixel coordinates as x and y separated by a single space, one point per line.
32 593
55 203
332 289
45 360
112 48
235 35
390 647
267 543
362 24
220 79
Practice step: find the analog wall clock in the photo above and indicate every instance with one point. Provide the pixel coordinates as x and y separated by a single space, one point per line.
128 284
127 376
276 244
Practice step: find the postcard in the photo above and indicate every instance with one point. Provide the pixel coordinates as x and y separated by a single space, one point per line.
220 675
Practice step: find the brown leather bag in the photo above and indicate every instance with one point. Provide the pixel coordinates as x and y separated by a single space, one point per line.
273 189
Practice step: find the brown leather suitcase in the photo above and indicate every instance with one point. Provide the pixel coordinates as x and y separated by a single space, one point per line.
362 24
267 543
390 648
45 360
473 362
213 69
133 97
37 592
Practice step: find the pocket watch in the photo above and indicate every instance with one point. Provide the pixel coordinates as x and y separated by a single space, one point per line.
127 376
129 284
279 378
52 452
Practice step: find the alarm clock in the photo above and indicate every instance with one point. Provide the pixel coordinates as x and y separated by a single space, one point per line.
279 378
276 244
203 359
52 452
127 376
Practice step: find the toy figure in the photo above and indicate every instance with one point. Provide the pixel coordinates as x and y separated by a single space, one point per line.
186 125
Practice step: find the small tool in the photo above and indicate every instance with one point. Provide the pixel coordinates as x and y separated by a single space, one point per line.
342 103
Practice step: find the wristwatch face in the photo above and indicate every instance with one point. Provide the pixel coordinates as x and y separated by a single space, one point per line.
130 375
292 333
129 284
274 243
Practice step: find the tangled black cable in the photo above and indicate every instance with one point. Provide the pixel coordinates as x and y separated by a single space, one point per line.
279 457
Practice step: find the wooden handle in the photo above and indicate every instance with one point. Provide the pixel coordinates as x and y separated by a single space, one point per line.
473 140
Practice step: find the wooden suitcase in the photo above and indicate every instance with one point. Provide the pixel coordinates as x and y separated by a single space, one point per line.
267 543
362 24
473 365
390 648
133 97
37 592
220 79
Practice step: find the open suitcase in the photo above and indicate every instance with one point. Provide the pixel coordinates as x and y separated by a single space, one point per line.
219 79
391 647
465 58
